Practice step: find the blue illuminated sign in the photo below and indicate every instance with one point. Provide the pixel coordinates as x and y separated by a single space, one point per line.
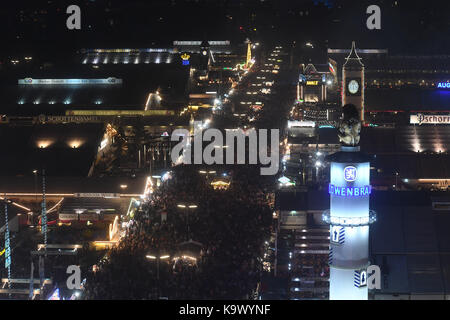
349 191
360 278
350 173
186 62
443 85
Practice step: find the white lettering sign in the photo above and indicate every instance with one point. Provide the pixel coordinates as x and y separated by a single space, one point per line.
429 119
97 195
31 81
68 216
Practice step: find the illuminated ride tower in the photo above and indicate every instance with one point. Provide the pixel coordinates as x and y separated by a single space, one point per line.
349 215
248 60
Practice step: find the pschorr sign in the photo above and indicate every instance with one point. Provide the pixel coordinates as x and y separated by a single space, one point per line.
429 119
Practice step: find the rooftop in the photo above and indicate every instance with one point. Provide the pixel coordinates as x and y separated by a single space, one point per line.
138 81
62 149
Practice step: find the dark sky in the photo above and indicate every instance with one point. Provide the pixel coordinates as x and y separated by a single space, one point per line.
407 26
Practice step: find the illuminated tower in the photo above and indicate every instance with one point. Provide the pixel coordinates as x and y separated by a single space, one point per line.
349 215
353 81
249 54
205 55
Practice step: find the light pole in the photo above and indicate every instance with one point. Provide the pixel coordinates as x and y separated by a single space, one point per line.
186 208
318 165
396 180
35 193
157 258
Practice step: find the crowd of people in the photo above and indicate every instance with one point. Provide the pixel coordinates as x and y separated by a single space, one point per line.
229 227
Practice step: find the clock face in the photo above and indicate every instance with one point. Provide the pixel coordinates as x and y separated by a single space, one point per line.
353 86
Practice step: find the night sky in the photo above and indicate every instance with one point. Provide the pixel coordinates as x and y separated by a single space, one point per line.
408 27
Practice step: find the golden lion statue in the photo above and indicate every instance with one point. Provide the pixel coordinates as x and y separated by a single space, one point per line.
350 126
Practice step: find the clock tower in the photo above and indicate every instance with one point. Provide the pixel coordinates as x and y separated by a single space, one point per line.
353 81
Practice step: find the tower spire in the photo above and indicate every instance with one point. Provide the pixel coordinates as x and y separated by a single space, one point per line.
249 54
353 81
353 58
353 50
